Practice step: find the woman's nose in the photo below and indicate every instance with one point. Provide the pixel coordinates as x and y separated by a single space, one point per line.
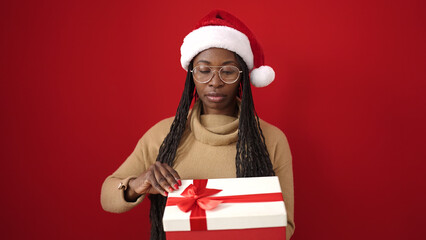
216 81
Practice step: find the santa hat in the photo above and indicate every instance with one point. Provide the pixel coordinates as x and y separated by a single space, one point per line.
220 29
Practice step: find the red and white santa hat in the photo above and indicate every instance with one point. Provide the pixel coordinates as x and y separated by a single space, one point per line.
220 29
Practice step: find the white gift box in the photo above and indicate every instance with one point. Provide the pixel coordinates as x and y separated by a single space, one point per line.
264 213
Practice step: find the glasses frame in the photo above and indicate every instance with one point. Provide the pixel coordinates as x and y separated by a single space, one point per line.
213 70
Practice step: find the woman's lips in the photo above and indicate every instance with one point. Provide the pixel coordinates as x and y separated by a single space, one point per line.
215 97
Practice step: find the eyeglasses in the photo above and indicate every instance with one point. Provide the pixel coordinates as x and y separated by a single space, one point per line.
228 74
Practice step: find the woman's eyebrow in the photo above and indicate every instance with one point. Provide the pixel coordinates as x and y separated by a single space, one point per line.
228 62
203 61
224 63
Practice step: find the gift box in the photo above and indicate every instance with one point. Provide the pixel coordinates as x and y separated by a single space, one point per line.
228 208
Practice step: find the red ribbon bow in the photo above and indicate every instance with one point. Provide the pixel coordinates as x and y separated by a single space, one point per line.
196 198
196 195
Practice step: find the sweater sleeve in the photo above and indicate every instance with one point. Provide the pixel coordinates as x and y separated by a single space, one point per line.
280 155
143 156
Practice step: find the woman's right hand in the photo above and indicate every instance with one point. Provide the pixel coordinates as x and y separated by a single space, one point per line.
160 178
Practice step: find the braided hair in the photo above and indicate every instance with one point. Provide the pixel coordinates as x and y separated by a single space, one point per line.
252 158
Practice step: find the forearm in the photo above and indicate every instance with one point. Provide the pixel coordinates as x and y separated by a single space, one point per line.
283 168
286 180
113 199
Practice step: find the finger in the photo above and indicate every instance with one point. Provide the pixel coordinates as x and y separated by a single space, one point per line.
173 176
161 179
156 187
169 176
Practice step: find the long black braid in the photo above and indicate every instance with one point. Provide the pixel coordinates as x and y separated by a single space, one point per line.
167 153
252 158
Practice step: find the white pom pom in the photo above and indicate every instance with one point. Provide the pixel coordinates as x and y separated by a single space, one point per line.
262 76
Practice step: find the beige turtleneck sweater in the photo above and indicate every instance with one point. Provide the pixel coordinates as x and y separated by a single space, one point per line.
207 150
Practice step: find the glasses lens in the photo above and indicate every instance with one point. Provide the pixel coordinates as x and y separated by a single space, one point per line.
202 73
229 74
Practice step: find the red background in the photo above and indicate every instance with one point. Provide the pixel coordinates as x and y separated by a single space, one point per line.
81 81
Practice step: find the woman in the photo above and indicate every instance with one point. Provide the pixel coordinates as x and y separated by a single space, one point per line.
221 137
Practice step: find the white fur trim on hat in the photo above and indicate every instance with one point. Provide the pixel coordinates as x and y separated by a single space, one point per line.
262 76
215 37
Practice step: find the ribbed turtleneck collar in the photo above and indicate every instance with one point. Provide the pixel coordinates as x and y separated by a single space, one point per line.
211 129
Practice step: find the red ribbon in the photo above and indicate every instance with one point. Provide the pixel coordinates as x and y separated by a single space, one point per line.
196 198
